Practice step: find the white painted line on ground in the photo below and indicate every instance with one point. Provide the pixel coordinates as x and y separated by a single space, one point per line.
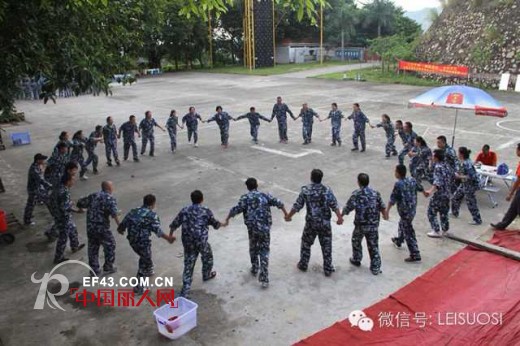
508 144
499 125
286 154
425 132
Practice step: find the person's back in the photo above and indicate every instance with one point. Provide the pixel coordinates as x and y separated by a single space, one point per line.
407 201
195 221
367 204
318 202
100 205
257 208
137 222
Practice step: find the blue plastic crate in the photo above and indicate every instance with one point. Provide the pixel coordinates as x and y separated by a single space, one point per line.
21 138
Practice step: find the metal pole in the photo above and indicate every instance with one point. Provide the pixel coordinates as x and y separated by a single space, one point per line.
321 33
253 62
274 37
454 127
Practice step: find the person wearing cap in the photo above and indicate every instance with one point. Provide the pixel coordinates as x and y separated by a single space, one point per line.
256 208
37 187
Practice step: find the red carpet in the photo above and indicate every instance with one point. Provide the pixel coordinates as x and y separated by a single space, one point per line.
478 284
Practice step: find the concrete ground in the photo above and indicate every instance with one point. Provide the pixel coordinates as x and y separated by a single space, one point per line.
233 308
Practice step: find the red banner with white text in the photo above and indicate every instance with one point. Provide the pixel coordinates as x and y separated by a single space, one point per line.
452 70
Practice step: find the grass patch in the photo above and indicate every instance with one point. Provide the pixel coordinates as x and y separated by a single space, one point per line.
375 75
278 69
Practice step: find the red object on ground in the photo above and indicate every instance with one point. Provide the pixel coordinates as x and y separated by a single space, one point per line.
3 221
452 70
472 282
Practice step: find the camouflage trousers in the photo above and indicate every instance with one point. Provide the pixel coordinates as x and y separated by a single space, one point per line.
145 264
359 133
336 134
469 192
282 129
191 253
254 132
324 234
103 238
406 233
259 252
307 132
32 199
224 135
439 205
145 138
91 158
402 154
371 234
192 131
111 148
67 231
173 139
126 149
390 146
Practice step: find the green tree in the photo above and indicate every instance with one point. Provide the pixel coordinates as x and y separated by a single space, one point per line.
380 13
340 21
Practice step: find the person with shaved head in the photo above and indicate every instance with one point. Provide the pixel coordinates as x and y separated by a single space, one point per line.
100 207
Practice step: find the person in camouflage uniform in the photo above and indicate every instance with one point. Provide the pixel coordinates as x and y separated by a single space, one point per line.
146 126
404 195
110 137
63 138
408 136
56 164
280 111
79 143
129 129
335 116
360 121
191 119
171 126
254 122
61 207
37 188
222 119
100 206
319 200
440 195
387 125
420 158
451 160
195 221
469 184
307 114
256 208
95 137
140 224
367 204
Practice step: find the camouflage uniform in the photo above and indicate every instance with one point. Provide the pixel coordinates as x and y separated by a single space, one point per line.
440 200
360 121
171 126
222 120
128 129
404 195
56 168
254 121
319 200
195 220
390 137
101 205
146 126
67 142
367 204
307 120
280 112
452 162
467 189
91 151
336 117
140 223
110 139
256 207
76 155
192 124
420 164
37 191
61 210
408 144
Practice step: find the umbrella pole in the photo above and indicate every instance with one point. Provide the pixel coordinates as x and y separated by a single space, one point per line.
454 127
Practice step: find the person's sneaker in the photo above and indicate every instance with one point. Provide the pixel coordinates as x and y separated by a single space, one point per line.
96 172
118 163
265 284
394 153
354 263
125 159
497 226
412 259
327 274
396 242
305 143
302 268
84 177
332 144
152 155
253 271
80 246
196 145
138 291
339 144
376 272
136 160
433 234
58 261
109 164
110 271
362 150
475 223
354 149
30 223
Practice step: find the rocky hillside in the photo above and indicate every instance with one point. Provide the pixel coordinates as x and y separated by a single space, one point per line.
482 34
